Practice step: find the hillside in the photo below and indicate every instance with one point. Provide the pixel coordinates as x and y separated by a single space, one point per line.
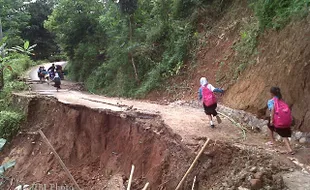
235 54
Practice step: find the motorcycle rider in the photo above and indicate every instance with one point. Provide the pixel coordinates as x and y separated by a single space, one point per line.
52 68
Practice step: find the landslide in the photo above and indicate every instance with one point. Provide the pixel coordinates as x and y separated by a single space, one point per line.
99 146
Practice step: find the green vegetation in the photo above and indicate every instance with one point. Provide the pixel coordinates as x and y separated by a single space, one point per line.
9 117
126 48
9 123
13 65
277 13
24 20
246 47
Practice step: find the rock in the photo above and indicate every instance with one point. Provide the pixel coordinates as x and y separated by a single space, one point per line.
242 188
297 180
253 169
256 184
22 187
298 135
303 140
258 175
265 129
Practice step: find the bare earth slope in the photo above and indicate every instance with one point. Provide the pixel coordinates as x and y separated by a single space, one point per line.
284 61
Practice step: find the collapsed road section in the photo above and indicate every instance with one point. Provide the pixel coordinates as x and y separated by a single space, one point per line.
99 147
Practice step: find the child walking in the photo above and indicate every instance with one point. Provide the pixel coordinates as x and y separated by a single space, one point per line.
208 99
280 118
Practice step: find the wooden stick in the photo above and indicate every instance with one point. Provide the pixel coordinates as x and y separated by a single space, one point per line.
146 186
192 165
130 177
59 160
243 129
194 183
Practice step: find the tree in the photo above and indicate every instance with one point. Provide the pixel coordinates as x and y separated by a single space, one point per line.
26 49
1 56
77 29
35 32
14 19
129 7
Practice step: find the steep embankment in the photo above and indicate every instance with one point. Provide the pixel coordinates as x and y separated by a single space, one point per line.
235 55
284 61
99 146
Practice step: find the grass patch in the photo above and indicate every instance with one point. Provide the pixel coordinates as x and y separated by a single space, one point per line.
277 13
246 47
9 123
10 119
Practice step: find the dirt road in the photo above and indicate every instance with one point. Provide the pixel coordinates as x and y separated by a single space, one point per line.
92 140
190 123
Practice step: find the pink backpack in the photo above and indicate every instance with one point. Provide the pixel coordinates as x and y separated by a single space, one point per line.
208 96
282 114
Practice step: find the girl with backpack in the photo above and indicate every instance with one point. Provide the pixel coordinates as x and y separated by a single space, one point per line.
280 118
57 81
207 97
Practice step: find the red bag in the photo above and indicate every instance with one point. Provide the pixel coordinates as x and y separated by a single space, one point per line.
282 114
208 96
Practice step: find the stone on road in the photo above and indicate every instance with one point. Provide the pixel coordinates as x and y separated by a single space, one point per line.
297 180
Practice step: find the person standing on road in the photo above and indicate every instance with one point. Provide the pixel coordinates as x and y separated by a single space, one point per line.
280 119
207 98
57 81
52 68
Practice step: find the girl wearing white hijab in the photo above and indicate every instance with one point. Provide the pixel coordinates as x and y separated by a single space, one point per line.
57 81
208 99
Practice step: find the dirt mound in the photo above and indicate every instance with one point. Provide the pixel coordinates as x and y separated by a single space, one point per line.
99 147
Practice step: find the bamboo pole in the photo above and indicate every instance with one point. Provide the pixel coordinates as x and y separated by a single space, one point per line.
193 164
146 186
59 160
193 186
130 177
243 130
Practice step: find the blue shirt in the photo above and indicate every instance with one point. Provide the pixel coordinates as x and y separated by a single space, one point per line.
210 88
270 104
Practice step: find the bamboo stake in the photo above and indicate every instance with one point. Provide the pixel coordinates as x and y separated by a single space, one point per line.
130 178
236 124
59 160
146 186
194 183
192 165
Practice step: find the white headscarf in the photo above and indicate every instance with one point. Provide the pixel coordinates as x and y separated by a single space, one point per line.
56 75
203 81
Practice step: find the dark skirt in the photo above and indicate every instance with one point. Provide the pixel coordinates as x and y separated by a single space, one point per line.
283 132
210 110
57 84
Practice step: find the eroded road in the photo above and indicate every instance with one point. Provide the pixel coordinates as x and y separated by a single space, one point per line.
190 123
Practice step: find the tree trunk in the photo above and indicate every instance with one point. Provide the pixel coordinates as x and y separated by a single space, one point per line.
2 55
130 53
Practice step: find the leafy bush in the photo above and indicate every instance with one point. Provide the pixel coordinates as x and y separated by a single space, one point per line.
9 123
277 13
246 47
